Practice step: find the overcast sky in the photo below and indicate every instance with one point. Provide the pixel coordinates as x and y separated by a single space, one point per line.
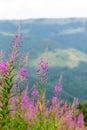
21 9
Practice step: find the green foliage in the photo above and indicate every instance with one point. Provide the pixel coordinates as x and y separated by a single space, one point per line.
19 124
5 94
83 109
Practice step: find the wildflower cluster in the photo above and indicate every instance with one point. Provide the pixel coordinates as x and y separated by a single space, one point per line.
18 111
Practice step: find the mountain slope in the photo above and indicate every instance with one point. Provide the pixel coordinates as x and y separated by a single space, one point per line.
67 43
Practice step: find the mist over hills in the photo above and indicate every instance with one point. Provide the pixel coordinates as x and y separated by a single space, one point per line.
67 43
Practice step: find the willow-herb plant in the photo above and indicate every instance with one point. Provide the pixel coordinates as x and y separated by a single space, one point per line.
6 84
18 111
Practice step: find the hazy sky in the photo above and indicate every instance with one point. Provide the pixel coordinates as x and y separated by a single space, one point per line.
20 9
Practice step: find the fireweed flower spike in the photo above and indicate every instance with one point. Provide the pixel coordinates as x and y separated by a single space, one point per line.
23 74
4 67
76 102
35 93
42 70
54 100
58 88
19 38
42 65
80 121
17 41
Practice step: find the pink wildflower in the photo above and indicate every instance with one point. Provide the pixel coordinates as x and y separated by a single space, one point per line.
4 67
58 89
76 102
54 100
42 65
25 100
35 93
80 121
18 38
23 73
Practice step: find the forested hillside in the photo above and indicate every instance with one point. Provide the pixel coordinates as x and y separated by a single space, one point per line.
66 40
